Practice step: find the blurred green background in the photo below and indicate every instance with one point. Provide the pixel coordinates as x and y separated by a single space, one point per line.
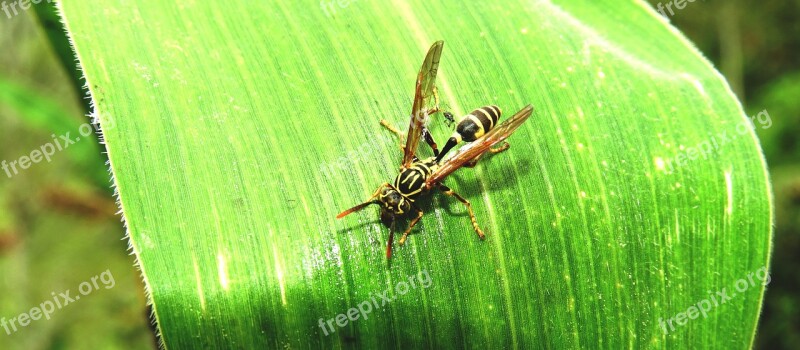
58 226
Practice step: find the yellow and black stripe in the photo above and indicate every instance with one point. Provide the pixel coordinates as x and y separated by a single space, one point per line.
477 123
472 126
410 182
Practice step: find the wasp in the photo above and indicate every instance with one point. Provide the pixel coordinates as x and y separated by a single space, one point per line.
419 177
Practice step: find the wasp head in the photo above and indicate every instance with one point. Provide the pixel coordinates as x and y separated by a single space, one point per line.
393 202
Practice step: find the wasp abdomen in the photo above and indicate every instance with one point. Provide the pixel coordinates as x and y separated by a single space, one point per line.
472 126
477 123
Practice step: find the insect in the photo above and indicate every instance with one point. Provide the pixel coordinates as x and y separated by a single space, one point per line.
418 177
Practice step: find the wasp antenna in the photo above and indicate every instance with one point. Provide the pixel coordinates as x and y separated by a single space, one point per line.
391 239
354 209
369 201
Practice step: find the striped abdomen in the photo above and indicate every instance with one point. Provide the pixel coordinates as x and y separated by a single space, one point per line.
472 126
477 123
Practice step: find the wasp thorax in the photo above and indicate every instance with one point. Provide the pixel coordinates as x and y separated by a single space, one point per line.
394 201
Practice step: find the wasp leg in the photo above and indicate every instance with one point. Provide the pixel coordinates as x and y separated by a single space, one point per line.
397 132
425 133
472 163
450 120
435 100
436 109
410 226
502 148
429 139
450 192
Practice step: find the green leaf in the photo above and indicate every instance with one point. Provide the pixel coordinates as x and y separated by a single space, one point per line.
243 128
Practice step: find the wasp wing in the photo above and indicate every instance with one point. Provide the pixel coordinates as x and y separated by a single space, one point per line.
426 84
477 147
